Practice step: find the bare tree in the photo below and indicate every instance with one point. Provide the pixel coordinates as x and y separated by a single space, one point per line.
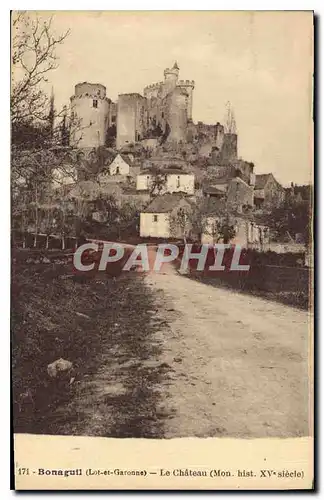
34 47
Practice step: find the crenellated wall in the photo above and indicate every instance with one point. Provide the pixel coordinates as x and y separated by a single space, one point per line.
153 90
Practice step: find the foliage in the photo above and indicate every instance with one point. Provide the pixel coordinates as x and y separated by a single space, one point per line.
215 218
293 217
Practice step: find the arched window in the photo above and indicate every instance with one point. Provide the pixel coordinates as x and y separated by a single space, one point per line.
117 171
178 181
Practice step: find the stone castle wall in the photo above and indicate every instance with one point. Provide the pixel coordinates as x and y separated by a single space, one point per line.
131 119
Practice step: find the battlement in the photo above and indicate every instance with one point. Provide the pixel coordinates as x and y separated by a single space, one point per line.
90 88
153 86
186 83
90 96
131 95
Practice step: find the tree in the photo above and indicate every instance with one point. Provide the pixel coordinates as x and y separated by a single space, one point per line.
31 180
291 218
20 215
180 223
128 219
214 218
47 214
34 47
225 229
111 136
158 181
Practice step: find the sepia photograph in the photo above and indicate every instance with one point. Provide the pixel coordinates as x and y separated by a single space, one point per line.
162 264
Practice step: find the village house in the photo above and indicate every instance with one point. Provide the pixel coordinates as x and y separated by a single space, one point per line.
120 165
119 169
236 191
268 192
171 180
159 218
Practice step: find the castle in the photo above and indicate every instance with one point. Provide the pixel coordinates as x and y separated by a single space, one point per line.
163 112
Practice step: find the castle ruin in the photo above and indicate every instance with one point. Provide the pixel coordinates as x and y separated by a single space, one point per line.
163 112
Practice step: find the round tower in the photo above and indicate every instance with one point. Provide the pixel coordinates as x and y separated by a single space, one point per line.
89 115
177 115
170 78
189 86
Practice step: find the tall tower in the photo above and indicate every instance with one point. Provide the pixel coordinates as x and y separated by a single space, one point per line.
177 115
171 78
89 115
189 86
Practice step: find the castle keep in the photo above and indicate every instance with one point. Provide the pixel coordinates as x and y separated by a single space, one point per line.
164 110
163 114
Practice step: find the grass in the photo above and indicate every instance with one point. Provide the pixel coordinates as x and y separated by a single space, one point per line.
114 326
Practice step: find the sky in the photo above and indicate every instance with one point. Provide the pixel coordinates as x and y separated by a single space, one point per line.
262 62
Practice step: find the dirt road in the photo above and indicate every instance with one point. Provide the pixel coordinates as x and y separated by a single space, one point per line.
158 355
239 363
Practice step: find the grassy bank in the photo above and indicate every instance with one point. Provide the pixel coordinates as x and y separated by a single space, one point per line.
94 321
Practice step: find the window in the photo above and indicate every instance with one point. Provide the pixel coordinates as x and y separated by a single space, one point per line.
147 181
117 171
178 181
95 103
155 218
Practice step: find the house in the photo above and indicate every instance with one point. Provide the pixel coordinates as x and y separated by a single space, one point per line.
214 191
240 193
120 165
160 218
118 168
236 191
171 180
268 192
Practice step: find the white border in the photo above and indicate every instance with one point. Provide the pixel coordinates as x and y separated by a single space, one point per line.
317 6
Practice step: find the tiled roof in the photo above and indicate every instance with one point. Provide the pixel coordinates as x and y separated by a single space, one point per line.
212 190
164 203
